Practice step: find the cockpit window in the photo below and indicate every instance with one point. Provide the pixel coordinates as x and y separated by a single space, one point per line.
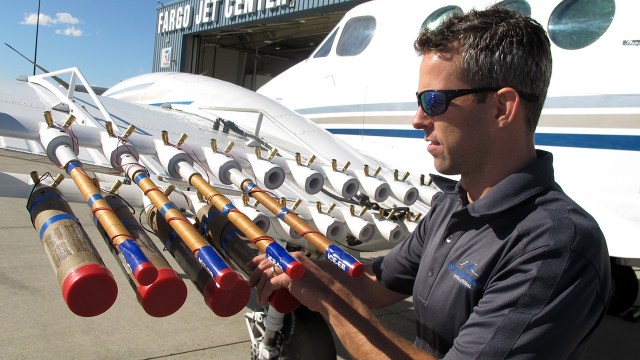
575 24
520 6
439 16
356 36
325 49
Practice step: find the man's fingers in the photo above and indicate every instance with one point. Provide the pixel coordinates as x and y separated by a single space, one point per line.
260 265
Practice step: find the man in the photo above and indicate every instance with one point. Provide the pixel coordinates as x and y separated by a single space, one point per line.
505 264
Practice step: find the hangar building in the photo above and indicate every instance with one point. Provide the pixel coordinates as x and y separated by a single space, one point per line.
245 42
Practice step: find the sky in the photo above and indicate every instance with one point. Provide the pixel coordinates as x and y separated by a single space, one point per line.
107 40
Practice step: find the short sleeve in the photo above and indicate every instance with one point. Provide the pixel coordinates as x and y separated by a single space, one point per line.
398 269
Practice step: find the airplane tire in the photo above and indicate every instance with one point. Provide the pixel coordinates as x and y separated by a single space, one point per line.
624 288
308 337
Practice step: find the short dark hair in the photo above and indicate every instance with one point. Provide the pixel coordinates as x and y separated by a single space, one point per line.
498 48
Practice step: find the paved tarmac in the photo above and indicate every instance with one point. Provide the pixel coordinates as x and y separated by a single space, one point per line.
36 324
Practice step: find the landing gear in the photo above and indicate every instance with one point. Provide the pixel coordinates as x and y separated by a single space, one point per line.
624 288
302 334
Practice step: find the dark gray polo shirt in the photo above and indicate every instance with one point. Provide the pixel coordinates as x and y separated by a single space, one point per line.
522 272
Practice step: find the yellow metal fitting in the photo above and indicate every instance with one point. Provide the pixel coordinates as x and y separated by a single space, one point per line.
129 131
57 180
363 211
346 166
296 204
35 177
311 160
273 153
115 187
298 159
214 145
229 146
377 171
69 121
169 189
109 127
165 137
331 207
182 139
48 119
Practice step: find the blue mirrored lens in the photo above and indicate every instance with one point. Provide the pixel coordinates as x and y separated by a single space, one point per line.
433 103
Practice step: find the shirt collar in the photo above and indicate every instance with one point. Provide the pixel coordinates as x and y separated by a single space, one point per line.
517 187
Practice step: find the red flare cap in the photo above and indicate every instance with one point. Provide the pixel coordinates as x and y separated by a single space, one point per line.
89 290
356 270
145 273
283 301
295 270
227 302
227 278
165 296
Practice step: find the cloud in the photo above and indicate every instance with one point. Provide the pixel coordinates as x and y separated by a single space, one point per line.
66 18
32 19
69 31
61 18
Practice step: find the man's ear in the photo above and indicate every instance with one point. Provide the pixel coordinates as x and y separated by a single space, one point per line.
508 105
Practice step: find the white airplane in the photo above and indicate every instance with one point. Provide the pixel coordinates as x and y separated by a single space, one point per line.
240 158
360 84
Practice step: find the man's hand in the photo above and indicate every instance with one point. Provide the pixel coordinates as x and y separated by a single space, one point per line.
313 286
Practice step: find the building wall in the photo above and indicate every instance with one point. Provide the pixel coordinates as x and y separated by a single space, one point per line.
175 49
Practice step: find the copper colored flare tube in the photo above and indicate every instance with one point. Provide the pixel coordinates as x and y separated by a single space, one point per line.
143 270
338 256
205 253
276 253
242 222
178 222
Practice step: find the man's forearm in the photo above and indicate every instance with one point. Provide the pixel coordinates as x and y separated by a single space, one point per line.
359 330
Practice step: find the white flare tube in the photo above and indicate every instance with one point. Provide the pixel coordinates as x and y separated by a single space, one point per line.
373 187
328 225
404 192
343 184
358 227
310 180
390 230
267 173
113 148
175 161
58 145
220 165
427 192
258 218
285 230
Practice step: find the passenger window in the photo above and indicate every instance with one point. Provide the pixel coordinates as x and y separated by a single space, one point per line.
439 16
325 48
520 6
575 24
356 36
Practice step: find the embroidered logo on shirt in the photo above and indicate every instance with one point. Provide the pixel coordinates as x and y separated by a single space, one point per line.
464 272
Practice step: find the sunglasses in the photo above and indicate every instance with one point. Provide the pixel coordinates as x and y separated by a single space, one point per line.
436 102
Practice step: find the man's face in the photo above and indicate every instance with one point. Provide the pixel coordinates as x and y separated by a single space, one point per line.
459 138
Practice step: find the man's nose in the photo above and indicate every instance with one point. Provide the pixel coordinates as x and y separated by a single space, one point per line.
421 120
